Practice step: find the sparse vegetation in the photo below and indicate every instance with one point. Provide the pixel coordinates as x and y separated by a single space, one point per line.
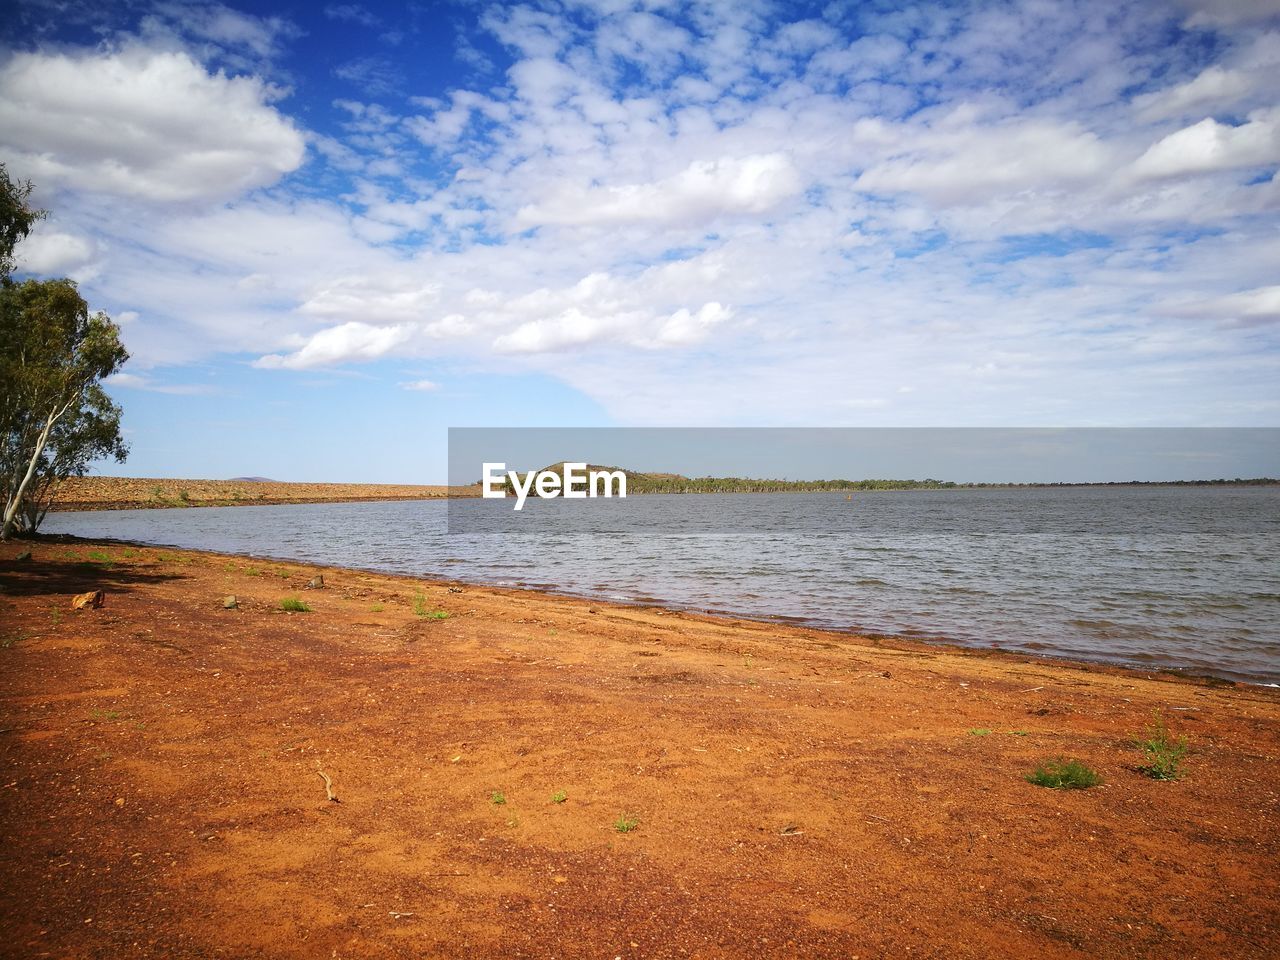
1064 775
559 797
497 798
13 638
294 605
980 732
421 609
1164 755
626 823
378 607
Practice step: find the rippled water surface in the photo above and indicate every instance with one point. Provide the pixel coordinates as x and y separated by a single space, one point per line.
1170 577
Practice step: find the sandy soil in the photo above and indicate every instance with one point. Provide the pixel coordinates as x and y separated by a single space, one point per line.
128 493
795 793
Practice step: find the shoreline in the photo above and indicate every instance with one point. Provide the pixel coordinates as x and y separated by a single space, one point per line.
150 493
925 644
795 792
1201 674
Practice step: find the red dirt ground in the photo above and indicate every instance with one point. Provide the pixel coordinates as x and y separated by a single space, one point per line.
796 793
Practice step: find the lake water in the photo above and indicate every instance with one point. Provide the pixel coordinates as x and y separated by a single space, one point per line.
1175 577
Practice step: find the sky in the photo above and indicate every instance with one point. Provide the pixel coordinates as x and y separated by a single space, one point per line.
330 232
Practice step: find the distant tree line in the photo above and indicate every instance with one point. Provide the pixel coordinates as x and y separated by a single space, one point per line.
639 482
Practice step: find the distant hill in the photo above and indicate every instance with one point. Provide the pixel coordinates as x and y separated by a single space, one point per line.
251 480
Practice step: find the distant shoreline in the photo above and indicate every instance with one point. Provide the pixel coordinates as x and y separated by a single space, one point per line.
151 493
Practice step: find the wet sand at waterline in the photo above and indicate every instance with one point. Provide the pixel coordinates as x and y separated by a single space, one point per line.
787 791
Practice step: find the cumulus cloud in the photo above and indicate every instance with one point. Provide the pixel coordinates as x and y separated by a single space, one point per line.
576 327
385 299
702 191
1211 88
54 252
143 124
1209 146
345 343
963 160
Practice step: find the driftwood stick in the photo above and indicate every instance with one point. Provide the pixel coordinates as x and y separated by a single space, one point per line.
328 786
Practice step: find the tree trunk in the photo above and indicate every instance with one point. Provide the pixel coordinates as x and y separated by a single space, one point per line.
15 498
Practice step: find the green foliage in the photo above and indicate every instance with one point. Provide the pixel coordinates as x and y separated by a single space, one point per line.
55 418
1163 754
294 605
626 823
1064 775
980 732
16 218
497 798
559 797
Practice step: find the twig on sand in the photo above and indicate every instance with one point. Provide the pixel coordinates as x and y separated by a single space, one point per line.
1031 689
328 786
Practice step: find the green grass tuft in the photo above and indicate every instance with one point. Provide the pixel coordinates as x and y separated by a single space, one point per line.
497 798
1064 775
1164 754
980 732
626 823
294 605
559 797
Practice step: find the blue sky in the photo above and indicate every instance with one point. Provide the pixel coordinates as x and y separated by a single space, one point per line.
331 232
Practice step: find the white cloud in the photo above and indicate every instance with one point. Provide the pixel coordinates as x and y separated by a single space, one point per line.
132 381
1247 308
962 160
386 299
422 386
144 124
53 252
345 343
1212 87
1210 13
700 192
764 222
1210 146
